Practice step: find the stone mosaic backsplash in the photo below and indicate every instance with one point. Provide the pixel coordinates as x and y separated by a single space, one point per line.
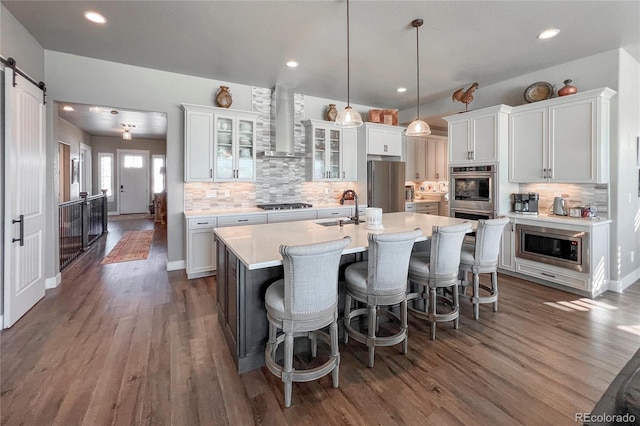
576 195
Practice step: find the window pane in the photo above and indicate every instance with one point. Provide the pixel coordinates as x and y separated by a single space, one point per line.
133 161
106 173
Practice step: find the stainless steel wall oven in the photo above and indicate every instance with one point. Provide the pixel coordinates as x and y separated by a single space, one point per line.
472 189
558 247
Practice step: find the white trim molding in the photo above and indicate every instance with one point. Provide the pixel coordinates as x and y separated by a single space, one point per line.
626 281
176 265
53 282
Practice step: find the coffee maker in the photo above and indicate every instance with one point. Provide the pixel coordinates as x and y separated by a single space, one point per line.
525 203
409 193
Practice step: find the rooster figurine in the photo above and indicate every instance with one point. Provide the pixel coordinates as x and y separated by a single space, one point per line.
465 96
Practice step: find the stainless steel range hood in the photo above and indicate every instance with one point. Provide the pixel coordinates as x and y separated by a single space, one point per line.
282 119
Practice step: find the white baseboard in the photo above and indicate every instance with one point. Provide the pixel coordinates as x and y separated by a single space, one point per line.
2 326
53 282
626 281
113 213
176 265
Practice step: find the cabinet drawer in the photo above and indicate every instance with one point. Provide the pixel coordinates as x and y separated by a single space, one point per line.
291 216
428 208
544 272
339 212
203 222
253 219
410 207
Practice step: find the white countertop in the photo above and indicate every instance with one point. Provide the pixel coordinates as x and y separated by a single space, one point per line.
257 246
256 210
565 220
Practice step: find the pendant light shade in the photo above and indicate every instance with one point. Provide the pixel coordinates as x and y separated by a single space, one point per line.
418 127
348 117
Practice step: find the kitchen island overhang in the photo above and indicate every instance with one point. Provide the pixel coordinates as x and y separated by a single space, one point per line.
249 260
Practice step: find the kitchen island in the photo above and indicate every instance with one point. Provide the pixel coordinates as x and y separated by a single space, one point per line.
249 260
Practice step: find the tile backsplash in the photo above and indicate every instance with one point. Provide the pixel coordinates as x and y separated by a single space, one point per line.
576 195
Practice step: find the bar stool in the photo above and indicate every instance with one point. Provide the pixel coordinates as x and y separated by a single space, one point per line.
436 269
301 304
482 258
380 281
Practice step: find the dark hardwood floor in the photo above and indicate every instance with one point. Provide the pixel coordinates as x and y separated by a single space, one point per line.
129 343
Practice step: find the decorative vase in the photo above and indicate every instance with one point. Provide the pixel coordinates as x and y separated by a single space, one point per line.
332 113
223 98
568 89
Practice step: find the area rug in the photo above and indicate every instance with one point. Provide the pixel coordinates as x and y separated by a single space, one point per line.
134 245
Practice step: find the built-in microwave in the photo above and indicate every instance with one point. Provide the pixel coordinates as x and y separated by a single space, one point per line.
558 247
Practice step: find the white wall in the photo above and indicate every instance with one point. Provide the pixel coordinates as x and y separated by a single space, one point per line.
72 136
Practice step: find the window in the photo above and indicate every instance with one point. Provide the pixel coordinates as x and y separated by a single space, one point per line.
105 162
158 173
133 162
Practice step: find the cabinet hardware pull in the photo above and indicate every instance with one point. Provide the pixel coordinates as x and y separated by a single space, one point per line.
202 223
473 155
243 220
547 275
544 173
21 239
550 174
210 173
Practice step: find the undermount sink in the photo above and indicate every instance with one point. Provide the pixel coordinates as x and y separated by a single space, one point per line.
335 222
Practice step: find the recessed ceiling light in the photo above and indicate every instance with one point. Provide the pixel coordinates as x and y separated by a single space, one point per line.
114 112
95 17
550 33
95 109
401 89
68 108
292 64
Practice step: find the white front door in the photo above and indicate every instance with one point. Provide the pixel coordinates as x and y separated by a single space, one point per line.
133 178
25 163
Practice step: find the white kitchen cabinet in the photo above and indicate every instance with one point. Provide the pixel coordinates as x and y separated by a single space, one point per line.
478 137
410 207
198 143
201 249
416 159
335 212
240 219
382 139
436 159
561 140
333 151
291 216
507 259
428 207
234 146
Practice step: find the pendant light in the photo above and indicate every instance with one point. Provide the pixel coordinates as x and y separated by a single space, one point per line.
348 117
418 127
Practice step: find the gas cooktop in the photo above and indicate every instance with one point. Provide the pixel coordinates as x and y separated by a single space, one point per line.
284 206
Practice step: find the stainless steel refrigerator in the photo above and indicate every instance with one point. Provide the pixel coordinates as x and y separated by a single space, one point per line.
385 185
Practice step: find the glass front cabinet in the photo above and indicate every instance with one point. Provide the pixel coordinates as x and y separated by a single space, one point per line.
234 146
330 152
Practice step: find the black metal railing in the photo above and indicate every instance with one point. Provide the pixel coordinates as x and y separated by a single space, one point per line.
80 223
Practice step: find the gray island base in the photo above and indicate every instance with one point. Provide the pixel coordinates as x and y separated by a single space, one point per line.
248 261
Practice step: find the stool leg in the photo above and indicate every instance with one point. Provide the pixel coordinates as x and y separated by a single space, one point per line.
313 338
432 309
347 319
372 334
403 323
494 289
273 330
476 295
333 331
288 368
456 306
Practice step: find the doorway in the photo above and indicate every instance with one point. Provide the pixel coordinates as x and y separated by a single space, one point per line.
64 172
133 181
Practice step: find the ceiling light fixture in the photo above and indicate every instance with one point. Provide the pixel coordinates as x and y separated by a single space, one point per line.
292 64
348 117
418 127
68 108
126 135
95 17
550 33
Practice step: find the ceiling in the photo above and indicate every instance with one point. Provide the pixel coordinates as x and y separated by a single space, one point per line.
249 42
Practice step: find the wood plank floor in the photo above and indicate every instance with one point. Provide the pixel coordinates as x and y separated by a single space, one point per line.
129 343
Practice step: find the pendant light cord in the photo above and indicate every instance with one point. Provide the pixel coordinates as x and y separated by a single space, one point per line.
418 72
348 59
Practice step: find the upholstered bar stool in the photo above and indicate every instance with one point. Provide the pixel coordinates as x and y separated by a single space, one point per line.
482 258
379 281
301 304
438 268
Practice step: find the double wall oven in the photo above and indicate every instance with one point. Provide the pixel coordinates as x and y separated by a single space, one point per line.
472 192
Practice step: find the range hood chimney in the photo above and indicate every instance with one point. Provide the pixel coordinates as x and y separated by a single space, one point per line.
282 116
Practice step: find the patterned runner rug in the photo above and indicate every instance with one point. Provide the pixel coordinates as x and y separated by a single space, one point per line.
134 245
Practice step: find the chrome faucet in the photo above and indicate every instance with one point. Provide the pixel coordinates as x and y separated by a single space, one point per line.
356 218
